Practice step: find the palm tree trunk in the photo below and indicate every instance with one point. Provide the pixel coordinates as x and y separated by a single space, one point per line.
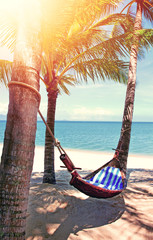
19 141
125 136
49 172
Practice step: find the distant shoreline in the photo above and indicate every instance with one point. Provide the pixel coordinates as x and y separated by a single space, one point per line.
86 121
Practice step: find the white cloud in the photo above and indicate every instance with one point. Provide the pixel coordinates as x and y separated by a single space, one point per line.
90 86
89 114
81 113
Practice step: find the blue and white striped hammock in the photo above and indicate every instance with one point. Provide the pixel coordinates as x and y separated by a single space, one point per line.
109 178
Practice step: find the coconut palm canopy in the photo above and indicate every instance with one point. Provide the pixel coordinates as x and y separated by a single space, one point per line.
72 34
66 29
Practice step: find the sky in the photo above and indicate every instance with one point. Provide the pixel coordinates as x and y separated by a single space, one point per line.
103 101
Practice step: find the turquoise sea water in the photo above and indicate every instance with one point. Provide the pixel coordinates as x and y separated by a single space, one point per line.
96 136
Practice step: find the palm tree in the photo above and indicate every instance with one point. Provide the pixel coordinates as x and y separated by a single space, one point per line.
19 142
144 7
87 53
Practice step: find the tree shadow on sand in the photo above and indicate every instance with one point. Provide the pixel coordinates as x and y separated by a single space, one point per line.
62 212
56 211
138 204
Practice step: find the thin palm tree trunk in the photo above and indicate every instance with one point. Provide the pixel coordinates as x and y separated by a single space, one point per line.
125 136
19 141
49 169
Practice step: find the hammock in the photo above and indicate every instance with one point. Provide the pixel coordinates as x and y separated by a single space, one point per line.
105 182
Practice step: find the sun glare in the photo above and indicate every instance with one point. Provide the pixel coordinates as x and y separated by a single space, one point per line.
56 15
10 8
10 5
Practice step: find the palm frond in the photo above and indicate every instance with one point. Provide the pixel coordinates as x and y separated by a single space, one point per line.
8 30
95 35
148 10
111 49
101 69
66 80
116 19
5 71
146 38
88 9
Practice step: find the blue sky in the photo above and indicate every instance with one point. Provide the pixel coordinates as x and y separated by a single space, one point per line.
103 101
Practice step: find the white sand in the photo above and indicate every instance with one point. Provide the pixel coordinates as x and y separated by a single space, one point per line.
60 212
90 159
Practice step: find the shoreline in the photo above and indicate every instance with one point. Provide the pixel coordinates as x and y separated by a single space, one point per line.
111 152
88 159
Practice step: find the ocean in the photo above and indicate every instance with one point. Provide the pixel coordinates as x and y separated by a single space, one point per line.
95 136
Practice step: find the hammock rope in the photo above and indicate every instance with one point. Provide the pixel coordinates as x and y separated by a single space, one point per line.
22 84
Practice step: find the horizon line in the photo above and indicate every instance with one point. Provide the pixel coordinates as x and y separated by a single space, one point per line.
117 121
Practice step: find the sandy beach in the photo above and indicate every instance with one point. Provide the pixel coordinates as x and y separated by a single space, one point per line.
61 212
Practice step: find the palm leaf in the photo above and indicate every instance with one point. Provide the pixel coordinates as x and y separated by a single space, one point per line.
146 37
5 71
8 30
88 9
98 69
148 10
111 49
115 19
66 80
